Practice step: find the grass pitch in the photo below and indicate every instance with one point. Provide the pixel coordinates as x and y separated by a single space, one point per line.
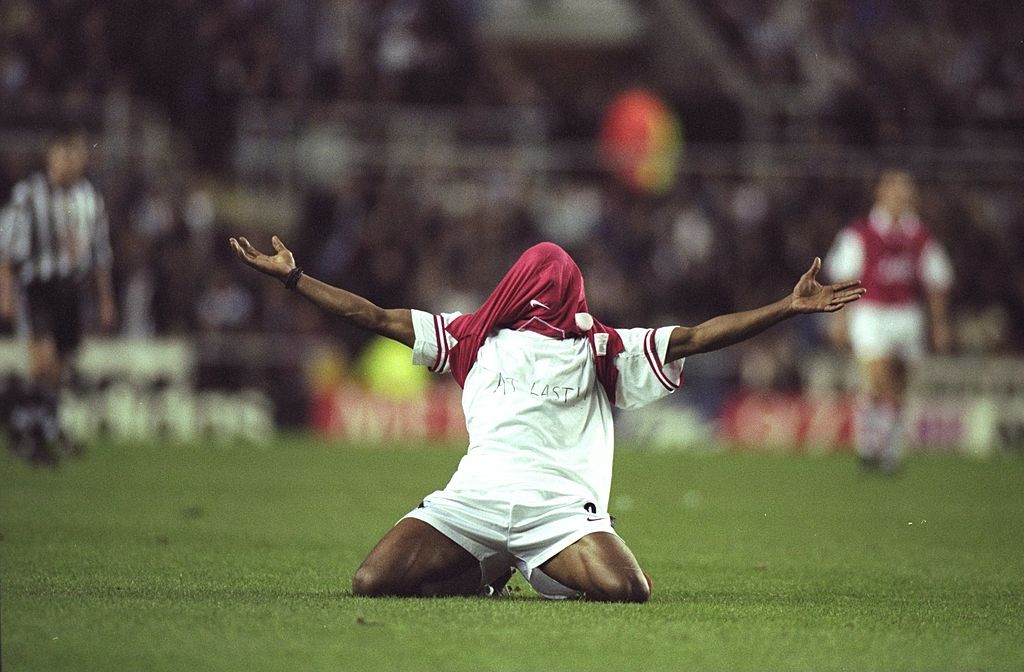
173 558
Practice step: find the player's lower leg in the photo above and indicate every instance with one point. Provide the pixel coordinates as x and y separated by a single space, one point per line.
32 418
871 431
892 448
602 567
415 560
466 584
49 367
878 426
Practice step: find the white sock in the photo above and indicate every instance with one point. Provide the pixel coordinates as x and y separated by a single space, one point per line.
893 446
551 589
869 430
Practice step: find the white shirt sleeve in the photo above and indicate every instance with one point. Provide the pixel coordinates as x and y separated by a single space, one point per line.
433 343
936 269
845 261
15 225
643 375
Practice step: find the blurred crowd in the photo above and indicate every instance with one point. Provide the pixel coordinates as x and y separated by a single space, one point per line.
873 65
429 240
873 68
710 245
199 59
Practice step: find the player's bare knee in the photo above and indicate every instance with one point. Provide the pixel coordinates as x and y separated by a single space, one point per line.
624 587
638 590
370 582
364 582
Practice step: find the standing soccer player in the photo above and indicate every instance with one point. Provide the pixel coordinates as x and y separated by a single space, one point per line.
539 377
907 275
54 239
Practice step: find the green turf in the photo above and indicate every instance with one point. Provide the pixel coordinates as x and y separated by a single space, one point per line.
172 558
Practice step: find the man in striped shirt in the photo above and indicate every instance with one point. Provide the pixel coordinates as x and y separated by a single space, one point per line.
54 239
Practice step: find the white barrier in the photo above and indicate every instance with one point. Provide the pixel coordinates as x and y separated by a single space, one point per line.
146 389
972 404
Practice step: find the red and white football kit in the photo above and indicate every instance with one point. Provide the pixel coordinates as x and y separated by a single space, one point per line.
897 261
539 378
537 475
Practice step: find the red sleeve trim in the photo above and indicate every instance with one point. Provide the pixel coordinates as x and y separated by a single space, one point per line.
446 349
439 333
651 351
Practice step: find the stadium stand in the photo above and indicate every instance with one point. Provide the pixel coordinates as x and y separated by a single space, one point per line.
434 140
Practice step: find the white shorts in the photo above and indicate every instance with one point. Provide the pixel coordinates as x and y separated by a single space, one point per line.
521 530
878 331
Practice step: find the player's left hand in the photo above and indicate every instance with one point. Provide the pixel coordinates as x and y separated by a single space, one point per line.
810 296
278 266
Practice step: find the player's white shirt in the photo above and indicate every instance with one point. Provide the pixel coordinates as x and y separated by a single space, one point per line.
538 419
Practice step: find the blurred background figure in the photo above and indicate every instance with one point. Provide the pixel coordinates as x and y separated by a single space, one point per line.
908 277
54 248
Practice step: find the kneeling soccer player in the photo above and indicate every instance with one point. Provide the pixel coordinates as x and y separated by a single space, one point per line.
539 377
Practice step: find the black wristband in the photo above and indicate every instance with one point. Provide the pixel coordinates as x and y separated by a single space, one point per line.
292 278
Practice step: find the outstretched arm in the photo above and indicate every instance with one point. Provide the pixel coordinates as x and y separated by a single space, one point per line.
394 323
809 296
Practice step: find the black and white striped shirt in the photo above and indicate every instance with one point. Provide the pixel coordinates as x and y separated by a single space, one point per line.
49 232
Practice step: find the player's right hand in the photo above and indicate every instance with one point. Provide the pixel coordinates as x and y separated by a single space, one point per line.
277 266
